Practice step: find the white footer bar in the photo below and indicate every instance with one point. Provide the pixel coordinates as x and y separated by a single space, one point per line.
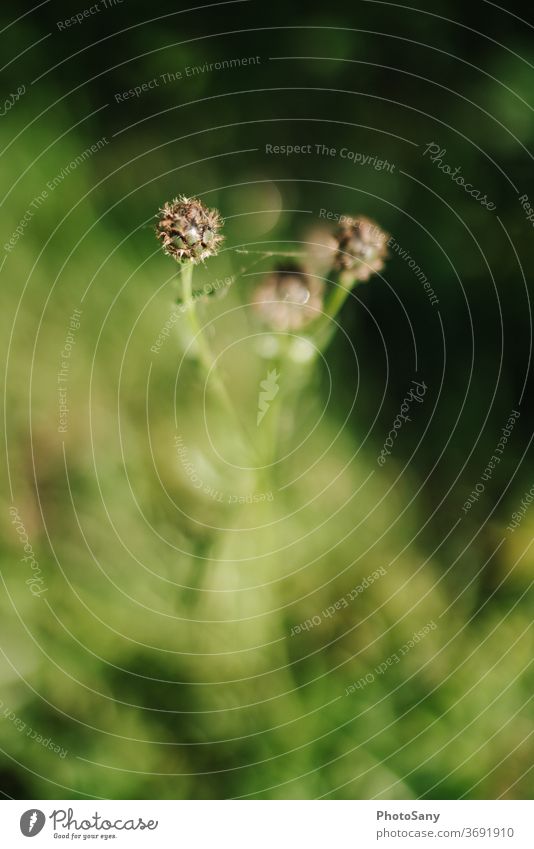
269 824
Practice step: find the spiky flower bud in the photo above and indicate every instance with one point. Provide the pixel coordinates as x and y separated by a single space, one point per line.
188 230
288 299
361 249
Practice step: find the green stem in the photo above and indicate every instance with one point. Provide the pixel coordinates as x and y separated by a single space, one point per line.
325 328
337 299
205 353
270 425
201 345
299 254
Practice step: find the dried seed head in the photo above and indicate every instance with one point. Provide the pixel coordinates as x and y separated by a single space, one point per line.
321 247
288 299
361 250
188 230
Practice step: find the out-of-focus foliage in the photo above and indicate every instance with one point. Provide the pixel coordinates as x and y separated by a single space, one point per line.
161 655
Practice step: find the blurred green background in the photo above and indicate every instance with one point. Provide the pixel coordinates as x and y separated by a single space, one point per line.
160 656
